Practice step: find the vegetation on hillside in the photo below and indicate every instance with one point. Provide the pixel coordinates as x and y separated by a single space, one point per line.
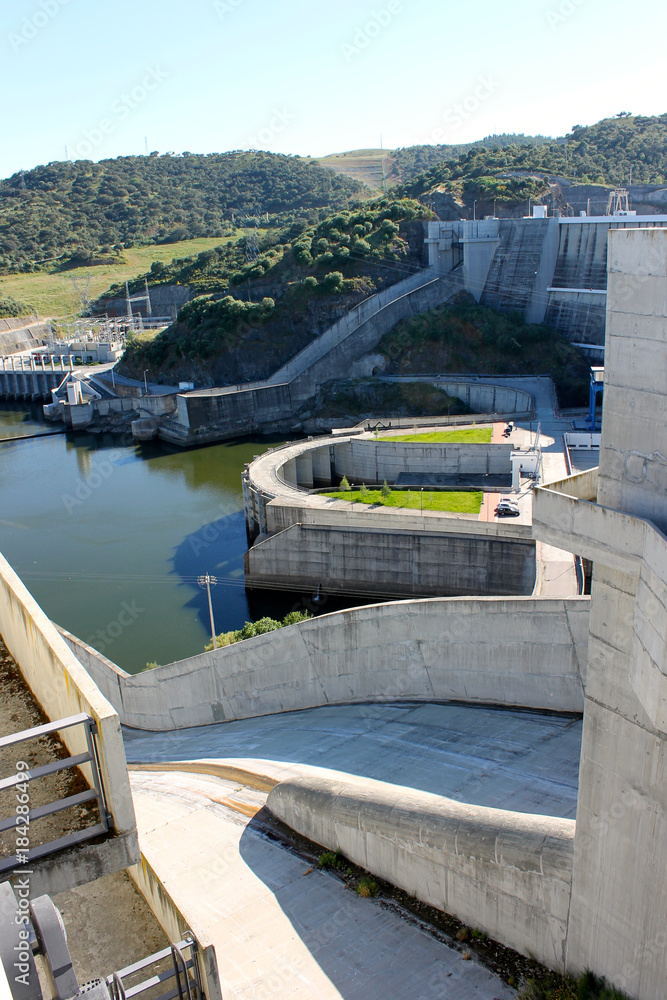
66 292
369 398
472 338
403 165
604 153
298 283
83 211
9 306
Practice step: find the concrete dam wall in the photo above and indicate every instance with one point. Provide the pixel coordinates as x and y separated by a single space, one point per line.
553 270
521 652
390 563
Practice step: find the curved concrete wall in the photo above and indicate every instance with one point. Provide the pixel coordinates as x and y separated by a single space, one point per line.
522 651
507 873
372 461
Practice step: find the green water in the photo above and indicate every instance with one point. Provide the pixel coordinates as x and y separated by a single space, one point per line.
110 538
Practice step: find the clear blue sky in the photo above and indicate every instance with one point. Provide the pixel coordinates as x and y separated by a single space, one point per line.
307 77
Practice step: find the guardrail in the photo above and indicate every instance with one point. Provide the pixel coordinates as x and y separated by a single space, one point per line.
186 986
23 776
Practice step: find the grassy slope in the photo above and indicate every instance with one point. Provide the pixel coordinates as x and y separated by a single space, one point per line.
455 501
363 165
401 165
53 293
469 435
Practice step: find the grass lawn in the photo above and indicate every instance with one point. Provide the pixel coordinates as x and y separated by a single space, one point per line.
456 502
468 435
53 293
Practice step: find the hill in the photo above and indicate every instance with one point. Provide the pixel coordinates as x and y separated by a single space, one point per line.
363 165
259 305
403 165
607 153
78 213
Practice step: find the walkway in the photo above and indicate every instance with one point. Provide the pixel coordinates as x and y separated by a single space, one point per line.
286 930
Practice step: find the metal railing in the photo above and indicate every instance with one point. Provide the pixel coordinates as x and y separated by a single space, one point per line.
96 793
184 971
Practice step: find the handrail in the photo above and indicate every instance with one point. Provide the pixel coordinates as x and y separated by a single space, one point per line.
97 793
186 987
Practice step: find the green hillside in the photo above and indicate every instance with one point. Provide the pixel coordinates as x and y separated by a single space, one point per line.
604 153
403 165
253 313
81 212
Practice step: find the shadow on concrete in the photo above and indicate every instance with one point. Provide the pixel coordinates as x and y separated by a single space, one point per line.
502 758
366 950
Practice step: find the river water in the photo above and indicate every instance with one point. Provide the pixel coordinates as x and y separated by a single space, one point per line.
110 537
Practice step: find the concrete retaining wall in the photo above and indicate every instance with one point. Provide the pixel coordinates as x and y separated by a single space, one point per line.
63 688
520 651
214 416
373 461
280 513
393 563
507 873
176 917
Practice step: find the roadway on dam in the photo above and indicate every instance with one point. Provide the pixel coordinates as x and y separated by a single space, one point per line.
284 929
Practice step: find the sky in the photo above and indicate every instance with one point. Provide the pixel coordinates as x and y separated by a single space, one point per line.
90 79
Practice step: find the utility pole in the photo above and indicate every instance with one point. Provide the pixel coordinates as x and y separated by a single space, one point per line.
209 581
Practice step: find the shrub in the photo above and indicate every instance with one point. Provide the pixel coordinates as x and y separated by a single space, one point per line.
344 484
329 859
261 627
367 887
